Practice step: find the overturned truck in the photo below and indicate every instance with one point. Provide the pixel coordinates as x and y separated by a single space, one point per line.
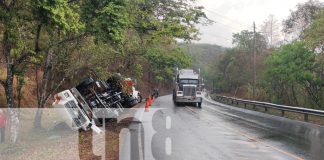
89 104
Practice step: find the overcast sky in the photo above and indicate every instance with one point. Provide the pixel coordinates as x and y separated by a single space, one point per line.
236 15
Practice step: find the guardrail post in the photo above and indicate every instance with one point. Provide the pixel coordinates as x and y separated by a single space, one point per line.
232 101
282 113
306 117
244 105
254 107
265 109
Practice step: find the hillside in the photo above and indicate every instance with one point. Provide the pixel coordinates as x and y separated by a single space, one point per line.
204 56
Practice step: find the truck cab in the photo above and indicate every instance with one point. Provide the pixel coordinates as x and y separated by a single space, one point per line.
187 87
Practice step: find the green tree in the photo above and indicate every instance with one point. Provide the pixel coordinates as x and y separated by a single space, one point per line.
234 68
105 19
164 60
314 35
245 42
47 35
35 31
233 71
153 27
290 75
15 51
55 22
314 39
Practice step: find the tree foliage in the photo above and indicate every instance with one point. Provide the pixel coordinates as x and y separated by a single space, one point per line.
67 39
164 61
245 41
301 18
204 56
290 67
314 35
289 74
105 19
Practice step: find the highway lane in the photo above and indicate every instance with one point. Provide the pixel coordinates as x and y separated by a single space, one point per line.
187 132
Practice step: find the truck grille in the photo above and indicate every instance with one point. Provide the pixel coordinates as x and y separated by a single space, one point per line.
189 91
75 113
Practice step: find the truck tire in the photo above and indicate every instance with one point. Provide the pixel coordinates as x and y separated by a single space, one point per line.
199 104
139 98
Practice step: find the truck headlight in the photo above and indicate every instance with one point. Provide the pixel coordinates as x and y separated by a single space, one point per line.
179 93
66 95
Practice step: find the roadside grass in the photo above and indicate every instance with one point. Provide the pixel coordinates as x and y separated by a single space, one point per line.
287 114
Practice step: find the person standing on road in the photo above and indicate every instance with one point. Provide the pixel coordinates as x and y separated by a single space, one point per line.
2 125
155 93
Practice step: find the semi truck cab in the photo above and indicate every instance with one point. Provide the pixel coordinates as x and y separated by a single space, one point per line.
187 87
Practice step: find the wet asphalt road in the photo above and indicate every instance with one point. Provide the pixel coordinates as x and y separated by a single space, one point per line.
212 132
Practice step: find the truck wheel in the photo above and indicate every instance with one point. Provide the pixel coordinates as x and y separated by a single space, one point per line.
139 98
199 104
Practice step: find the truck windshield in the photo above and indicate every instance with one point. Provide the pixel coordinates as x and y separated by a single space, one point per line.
189 81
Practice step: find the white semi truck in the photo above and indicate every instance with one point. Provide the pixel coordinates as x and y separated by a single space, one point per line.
187 87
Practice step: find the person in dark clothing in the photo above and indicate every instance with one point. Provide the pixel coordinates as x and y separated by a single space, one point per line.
155 93
2 125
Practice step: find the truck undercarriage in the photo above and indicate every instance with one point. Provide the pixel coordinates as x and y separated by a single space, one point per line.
91 102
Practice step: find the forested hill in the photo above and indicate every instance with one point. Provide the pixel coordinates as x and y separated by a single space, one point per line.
204 56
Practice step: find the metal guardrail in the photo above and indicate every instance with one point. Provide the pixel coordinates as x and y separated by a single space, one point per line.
266 105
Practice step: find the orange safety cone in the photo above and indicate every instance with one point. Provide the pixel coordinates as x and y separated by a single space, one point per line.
146 105
149 101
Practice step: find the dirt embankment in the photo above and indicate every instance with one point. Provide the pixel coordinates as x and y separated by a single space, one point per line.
28 91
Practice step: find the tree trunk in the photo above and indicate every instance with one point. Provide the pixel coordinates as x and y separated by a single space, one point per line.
42 96
294 95
19 92
38 118
45 92
13 114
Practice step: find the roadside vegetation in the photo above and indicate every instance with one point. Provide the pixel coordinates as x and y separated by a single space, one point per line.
289 63
50 45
